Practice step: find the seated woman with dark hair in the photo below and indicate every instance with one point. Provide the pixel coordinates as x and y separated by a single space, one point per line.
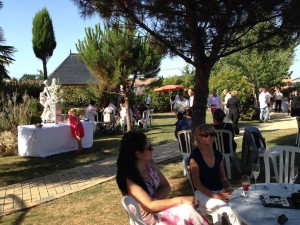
219 116
139 176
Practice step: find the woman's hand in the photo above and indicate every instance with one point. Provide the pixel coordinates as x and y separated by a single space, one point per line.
228 190
225 196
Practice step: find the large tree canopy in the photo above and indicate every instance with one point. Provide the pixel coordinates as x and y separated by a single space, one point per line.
203 31
43 39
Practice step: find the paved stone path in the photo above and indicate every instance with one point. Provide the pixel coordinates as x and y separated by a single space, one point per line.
37 191
40 190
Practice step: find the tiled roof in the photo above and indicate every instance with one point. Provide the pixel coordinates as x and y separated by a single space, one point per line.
72 72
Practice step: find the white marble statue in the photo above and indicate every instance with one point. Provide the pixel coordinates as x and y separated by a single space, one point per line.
50 99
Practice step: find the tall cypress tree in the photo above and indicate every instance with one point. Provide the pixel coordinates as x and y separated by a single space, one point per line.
43 38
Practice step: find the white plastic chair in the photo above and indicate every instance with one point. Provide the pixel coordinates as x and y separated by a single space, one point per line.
151 117
219 142
133 210
286 155
185 144
92 117
144 120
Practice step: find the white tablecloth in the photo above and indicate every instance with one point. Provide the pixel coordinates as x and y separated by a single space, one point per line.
255 213
51 139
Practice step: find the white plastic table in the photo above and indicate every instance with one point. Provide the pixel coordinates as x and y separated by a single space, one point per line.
255 213
51 139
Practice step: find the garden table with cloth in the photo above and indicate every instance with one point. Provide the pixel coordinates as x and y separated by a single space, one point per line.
255 213
51 139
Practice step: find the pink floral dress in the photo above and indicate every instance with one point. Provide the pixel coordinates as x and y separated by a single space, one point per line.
177 215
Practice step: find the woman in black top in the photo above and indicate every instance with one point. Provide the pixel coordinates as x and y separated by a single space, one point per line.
233 104
213 189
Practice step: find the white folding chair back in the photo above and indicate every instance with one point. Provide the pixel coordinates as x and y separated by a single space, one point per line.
186 167
92 117
151 117
145 120
286 156
219 142
133 210
185 144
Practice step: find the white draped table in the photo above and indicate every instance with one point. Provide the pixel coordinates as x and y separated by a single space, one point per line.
51 139
255 213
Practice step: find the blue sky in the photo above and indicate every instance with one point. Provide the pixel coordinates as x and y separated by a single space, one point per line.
16 19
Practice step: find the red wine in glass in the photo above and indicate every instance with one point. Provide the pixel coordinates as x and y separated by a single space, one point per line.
245 185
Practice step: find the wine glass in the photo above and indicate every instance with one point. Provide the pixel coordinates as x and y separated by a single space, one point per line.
293 175
245 185
255 171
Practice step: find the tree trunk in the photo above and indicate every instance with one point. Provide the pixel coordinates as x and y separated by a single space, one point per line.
128 117
201 95
45 69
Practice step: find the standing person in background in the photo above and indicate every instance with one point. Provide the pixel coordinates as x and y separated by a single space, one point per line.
91 111
214 101
181 105
278 100
77 129
264 108
226 110
269 103
295 104
172 100
191 96
147 101
233 104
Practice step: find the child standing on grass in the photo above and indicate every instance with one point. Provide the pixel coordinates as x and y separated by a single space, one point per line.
76 128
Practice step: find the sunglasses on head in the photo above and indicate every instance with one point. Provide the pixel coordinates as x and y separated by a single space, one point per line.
212 134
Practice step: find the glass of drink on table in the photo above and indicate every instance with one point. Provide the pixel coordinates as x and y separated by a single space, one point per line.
245 185
293 175
255 171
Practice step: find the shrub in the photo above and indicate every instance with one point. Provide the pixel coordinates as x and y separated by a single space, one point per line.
160 102
8 143
15 114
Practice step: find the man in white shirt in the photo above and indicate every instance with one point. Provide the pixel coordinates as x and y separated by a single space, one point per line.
264 99
226 110
181 105
214 101
191 95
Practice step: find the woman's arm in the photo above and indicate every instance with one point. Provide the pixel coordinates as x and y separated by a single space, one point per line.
150 205
195 170
164 188
225 182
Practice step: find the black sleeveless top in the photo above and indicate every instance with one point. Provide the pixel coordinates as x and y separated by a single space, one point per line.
209 177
